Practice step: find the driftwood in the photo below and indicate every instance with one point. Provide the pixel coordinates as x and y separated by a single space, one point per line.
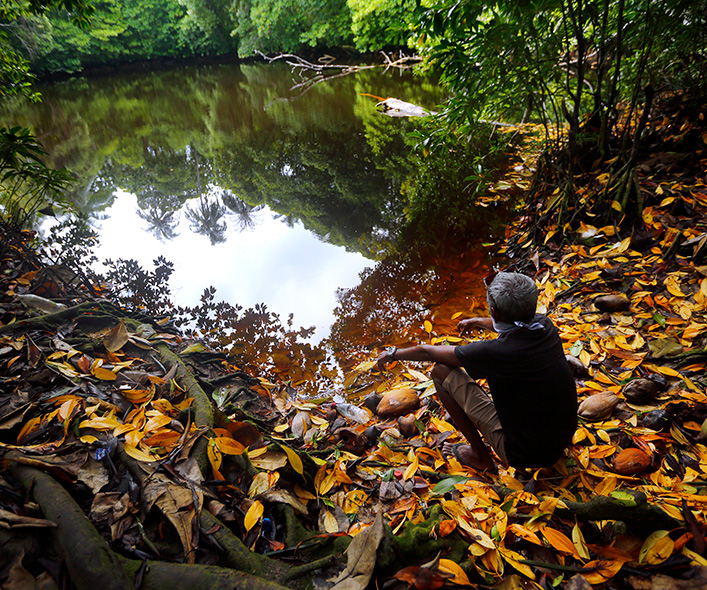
326 69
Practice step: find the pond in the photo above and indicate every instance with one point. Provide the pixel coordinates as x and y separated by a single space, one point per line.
282 192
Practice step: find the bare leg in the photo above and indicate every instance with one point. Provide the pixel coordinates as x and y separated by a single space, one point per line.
482 460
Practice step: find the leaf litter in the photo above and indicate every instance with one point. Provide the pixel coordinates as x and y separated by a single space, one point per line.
83 400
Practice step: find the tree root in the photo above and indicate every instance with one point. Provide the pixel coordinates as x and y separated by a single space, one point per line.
638 514
92 564
90 561
158 575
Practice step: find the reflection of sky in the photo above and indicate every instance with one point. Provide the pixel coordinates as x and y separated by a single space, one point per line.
288 269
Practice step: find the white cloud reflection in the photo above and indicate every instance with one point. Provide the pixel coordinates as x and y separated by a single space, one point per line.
287 268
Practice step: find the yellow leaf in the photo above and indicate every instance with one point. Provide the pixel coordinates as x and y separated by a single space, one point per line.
657 548
579 543
459 576
515 559
524 533
66 409
605 570
428 326
88 439
138 396
696 558
294 459
101 423
456 315
228 446
330 523
30 426
411 469
252 517
214 455
139 455
560 541
103 374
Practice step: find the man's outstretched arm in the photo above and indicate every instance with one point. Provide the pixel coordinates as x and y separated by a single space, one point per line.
423 352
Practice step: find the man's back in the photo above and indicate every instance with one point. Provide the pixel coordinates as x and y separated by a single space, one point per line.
533 390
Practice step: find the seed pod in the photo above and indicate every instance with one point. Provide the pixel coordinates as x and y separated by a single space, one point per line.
398 402
612 303
656 420
598 406
407 426
631 461
640 391
371 401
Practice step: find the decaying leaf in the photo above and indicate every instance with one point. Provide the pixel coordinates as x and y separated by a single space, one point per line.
361 558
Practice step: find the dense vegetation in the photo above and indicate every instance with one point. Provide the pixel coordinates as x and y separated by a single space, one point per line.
138 30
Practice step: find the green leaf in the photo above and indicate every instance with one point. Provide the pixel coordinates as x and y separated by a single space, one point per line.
447 485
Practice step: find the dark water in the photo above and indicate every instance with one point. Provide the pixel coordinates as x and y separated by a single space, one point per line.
269 188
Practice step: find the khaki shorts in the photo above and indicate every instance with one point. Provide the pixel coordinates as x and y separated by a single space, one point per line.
477 404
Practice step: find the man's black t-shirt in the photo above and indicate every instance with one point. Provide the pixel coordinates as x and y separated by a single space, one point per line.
533 389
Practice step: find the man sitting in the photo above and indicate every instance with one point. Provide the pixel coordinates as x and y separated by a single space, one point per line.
532 412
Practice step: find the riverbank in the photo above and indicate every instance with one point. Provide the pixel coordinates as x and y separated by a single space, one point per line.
625 505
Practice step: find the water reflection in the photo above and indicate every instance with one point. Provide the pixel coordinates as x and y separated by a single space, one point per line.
216 162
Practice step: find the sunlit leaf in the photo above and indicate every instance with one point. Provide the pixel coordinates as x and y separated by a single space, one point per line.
458 575
139 455
228 446
294 459
252 517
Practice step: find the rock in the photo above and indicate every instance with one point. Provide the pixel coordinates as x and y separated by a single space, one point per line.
407 426
612 303
631 461
598 406
640 391
398 402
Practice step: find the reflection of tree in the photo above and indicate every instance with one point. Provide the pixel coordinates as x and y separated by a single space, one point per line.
161 217
240 210
392 301
205 218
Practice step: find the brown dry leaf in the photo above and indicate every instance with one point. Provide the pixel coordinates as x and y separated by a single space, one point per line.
361 558
117 337
421 578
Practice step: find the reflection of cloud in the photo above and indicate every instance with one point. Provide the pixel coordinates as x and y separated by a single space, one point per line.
287 268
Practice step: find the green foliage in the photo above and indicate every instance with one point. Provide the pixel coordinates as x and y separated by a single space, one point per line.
379 23
27 184
18 31
290 25
450 172
206 28
569 61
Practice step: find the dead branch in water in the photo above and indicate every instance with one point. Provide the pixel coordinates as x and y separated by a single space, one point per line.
300 66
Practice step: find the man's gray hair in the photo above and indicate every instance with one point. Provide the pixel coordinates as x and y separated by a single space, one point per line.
514 296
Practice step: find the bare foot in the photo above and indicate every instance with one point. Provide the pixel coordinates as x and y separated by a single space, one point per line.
466 456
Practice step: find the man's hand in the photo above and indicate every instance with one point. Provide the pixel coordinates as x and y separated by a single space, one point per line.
470 324
386 357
